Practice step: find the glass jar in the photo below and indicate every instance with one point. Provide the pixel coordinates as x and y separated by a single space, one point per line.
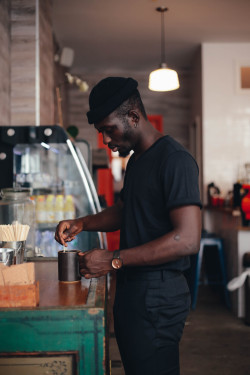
17 207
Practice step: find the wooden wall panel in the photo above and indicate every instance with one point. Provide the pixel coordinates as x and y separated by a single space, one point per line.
60 82
46 63
4 63
23 62
78 106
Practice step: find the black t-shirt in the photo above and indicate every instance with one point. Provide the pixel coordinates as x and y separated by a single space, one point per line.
165 176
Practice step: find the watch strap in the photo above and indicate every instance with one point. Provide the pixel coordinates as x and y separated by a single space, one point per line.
116 254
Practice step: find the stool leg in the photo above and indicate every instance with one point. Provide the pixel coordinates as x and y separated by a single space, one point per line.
224 277
197 277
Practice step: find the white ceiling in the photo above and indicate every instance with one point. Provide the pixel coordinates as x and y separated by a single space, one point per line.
124 35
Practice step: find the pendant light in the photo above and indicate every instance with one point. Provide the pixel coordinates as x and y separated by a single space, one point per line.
163 79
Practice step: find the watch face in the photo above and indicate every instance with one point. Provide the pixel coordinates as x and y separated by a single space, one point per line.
116 263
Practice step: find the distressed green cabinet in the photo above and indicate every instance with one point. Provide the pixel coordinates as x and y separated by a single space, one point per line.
64 335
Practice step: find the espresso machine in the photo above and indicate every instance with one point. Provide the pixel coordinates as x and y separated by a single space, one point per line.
53 168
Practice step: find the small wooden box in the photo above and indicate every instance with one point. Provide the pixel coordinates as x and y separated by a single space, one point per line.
19 295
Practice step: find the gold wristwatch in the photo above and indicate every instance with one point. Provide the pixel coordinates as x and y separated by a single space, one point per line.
117 261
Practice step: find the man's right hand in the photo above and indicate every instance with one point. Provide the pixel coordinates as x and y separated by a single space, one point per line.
66 230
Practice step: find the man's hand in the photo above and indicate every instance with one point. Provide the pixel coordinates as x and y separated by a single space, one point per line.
66 230
95 263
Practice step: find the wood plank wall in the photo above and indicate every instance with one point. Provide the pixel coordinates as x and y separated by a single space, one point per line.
47 90
23 60
18 62
60 82
4 63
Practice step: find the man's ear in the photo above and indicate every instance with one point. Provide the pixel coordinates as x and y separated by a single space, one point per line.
134 116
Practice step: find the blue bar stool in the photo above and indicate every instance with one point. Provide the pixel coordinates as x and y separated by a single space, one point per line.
217 243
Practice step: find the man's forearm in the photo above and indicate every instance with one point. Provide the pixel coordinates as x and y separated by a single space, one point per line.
107 220
162 250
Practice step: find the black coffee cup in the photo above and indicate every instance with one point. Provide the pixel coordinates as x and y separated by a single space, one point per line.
68 266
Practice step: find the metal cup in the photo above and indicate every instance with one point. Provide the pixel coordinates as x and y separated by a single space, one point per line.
6 256
19 249
68 266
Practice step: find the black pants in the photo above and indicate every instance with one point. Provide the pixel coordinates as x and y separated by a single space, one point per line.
150 310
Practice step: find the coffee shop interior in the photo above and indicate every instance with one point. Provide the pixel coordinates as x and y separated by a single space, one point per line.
54 166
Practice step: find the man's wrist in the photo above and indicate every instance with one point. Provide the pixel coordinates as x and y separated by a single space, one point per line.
83 223
117 261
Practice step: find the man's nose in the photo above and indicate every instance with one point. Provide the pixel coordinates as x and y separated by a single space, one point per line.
106 138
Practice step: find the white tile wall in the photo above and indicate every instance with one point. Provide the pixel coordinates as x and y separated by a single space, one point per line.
226 114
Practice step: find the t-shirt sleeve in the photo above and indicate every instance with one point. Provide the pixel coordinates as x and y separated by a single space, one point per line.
180 180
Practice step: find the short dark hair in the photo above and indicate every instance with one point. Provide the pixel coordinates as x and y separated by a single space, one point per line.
133 102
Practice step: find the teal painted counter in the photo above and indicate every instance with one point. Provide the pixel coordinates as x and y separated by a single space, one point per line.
70 322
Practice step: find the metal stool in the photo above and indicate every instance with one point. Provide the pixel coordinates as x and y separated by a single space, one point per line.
218 243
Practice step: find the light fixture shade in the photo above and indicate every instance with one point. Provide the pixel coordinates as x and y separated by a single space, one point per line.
163 79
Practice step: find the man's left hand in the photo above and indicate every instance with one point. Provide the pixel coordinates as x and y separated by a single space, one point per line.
95 263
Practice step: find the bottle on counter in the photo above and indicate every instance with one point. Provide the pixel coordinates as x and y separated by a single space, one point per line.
213 193
237 194
69 208
40 209
50 209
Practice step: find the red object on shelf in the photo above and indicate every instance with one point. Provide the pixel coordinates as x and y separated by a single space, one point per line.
217 201
245 202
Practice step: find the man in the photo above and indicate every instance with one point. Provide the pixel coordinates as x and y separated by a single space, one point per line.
158 214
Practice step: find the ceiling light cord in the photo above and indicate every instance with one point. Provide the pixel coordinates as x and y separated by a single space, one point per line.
163 57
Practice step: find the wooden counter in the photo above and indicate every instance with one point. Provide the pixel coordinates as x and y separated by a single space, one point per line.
57 294
65 334
227 223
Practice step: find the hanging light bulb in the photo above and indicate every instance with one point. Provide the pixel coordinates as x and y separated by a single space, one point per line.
163 79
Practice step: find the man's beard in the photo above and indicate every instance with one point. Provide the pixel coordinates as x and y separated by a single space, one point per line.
124 153
127 134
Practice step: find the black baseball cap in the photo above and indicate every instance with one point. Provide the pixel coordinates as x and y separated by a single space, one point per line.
107 95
